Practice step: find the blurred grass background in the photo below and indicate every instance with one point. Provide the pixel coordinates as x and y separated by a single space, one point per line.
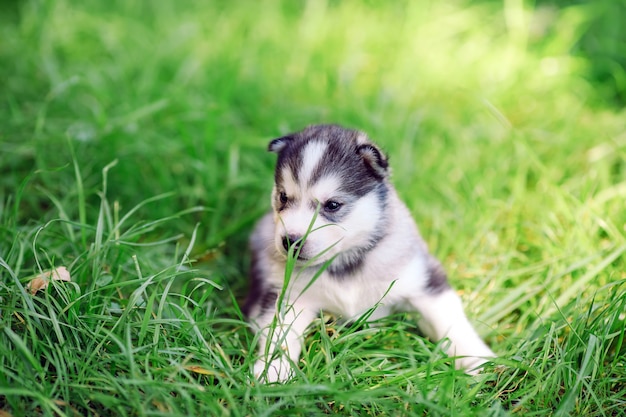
504 121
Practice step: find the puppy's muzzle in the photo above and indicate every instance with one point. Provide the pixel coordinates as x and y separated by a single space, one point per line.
292 241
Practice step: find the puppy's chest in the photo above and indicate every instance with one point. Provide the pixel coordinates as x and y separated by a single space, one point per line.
349 296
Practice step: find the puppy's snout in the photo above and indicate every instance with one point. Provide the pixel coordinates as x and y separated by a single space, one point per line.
291 240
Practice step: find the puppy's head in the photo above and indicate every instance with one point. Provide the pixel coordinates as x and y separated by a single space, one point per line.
332 183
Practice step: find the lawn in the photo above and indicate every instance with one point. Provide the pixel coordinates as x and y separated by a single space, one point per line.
133 141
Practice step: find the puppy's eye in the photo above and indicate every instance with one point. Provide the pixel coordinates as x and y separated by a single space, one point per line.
282 197
332 206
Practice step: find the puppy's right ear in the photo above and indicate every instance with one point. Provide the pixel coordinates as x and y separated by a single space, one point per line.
277 145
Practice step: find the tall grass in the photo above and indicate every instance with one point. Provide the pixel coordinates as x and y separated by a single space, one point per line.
132 151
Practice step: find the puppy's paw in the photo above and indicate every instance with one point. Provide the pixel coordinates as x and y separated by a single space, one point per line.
472 365
275 371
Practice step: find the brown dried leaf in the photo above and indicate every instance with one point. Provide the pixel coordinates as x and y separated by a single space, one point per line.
41 281
199 370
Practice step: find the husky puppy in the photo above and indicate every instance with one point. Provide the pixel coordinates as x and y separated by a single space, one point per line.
356 248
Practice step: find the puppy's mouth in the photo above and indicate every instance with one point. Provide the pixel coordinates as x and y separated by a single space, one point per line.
300 257
303 253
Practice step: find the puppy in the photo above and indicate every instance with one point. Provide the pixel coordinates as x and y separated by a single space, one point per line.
355 245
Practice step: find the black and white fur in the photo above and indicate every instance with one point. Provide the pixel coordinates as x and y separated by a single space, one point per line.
373 252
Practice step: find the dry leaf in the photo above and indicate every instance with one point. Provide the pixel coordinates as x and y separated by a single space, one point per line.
199 370
41 281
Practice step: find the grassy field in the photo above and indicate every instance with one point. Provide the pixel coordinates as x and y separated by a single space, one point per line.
132 152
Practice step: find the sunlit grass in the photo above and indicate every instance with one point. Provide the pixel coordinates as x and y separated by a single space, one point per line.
132 151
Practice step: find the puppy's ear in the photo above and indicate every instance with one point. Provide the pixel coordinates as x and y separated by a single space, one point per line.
277 145
374 159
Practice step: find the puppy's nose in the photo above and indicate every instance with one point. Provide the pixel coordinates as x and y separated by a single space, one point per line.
291 240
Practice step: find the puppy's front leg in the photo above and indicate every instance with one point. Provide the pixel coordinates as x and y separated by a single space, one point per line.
281 342
442 316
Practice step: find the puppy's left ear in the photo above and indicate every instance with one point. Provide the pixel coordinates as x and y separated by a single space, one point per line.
374 159
277 145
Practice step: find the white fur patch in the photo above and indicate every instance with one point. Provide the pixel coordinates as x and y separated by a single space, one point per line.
311 157
362 138
325 188
289 183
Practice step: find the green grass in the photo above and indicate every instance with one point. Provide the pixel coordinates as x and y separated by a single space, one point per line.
132 151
